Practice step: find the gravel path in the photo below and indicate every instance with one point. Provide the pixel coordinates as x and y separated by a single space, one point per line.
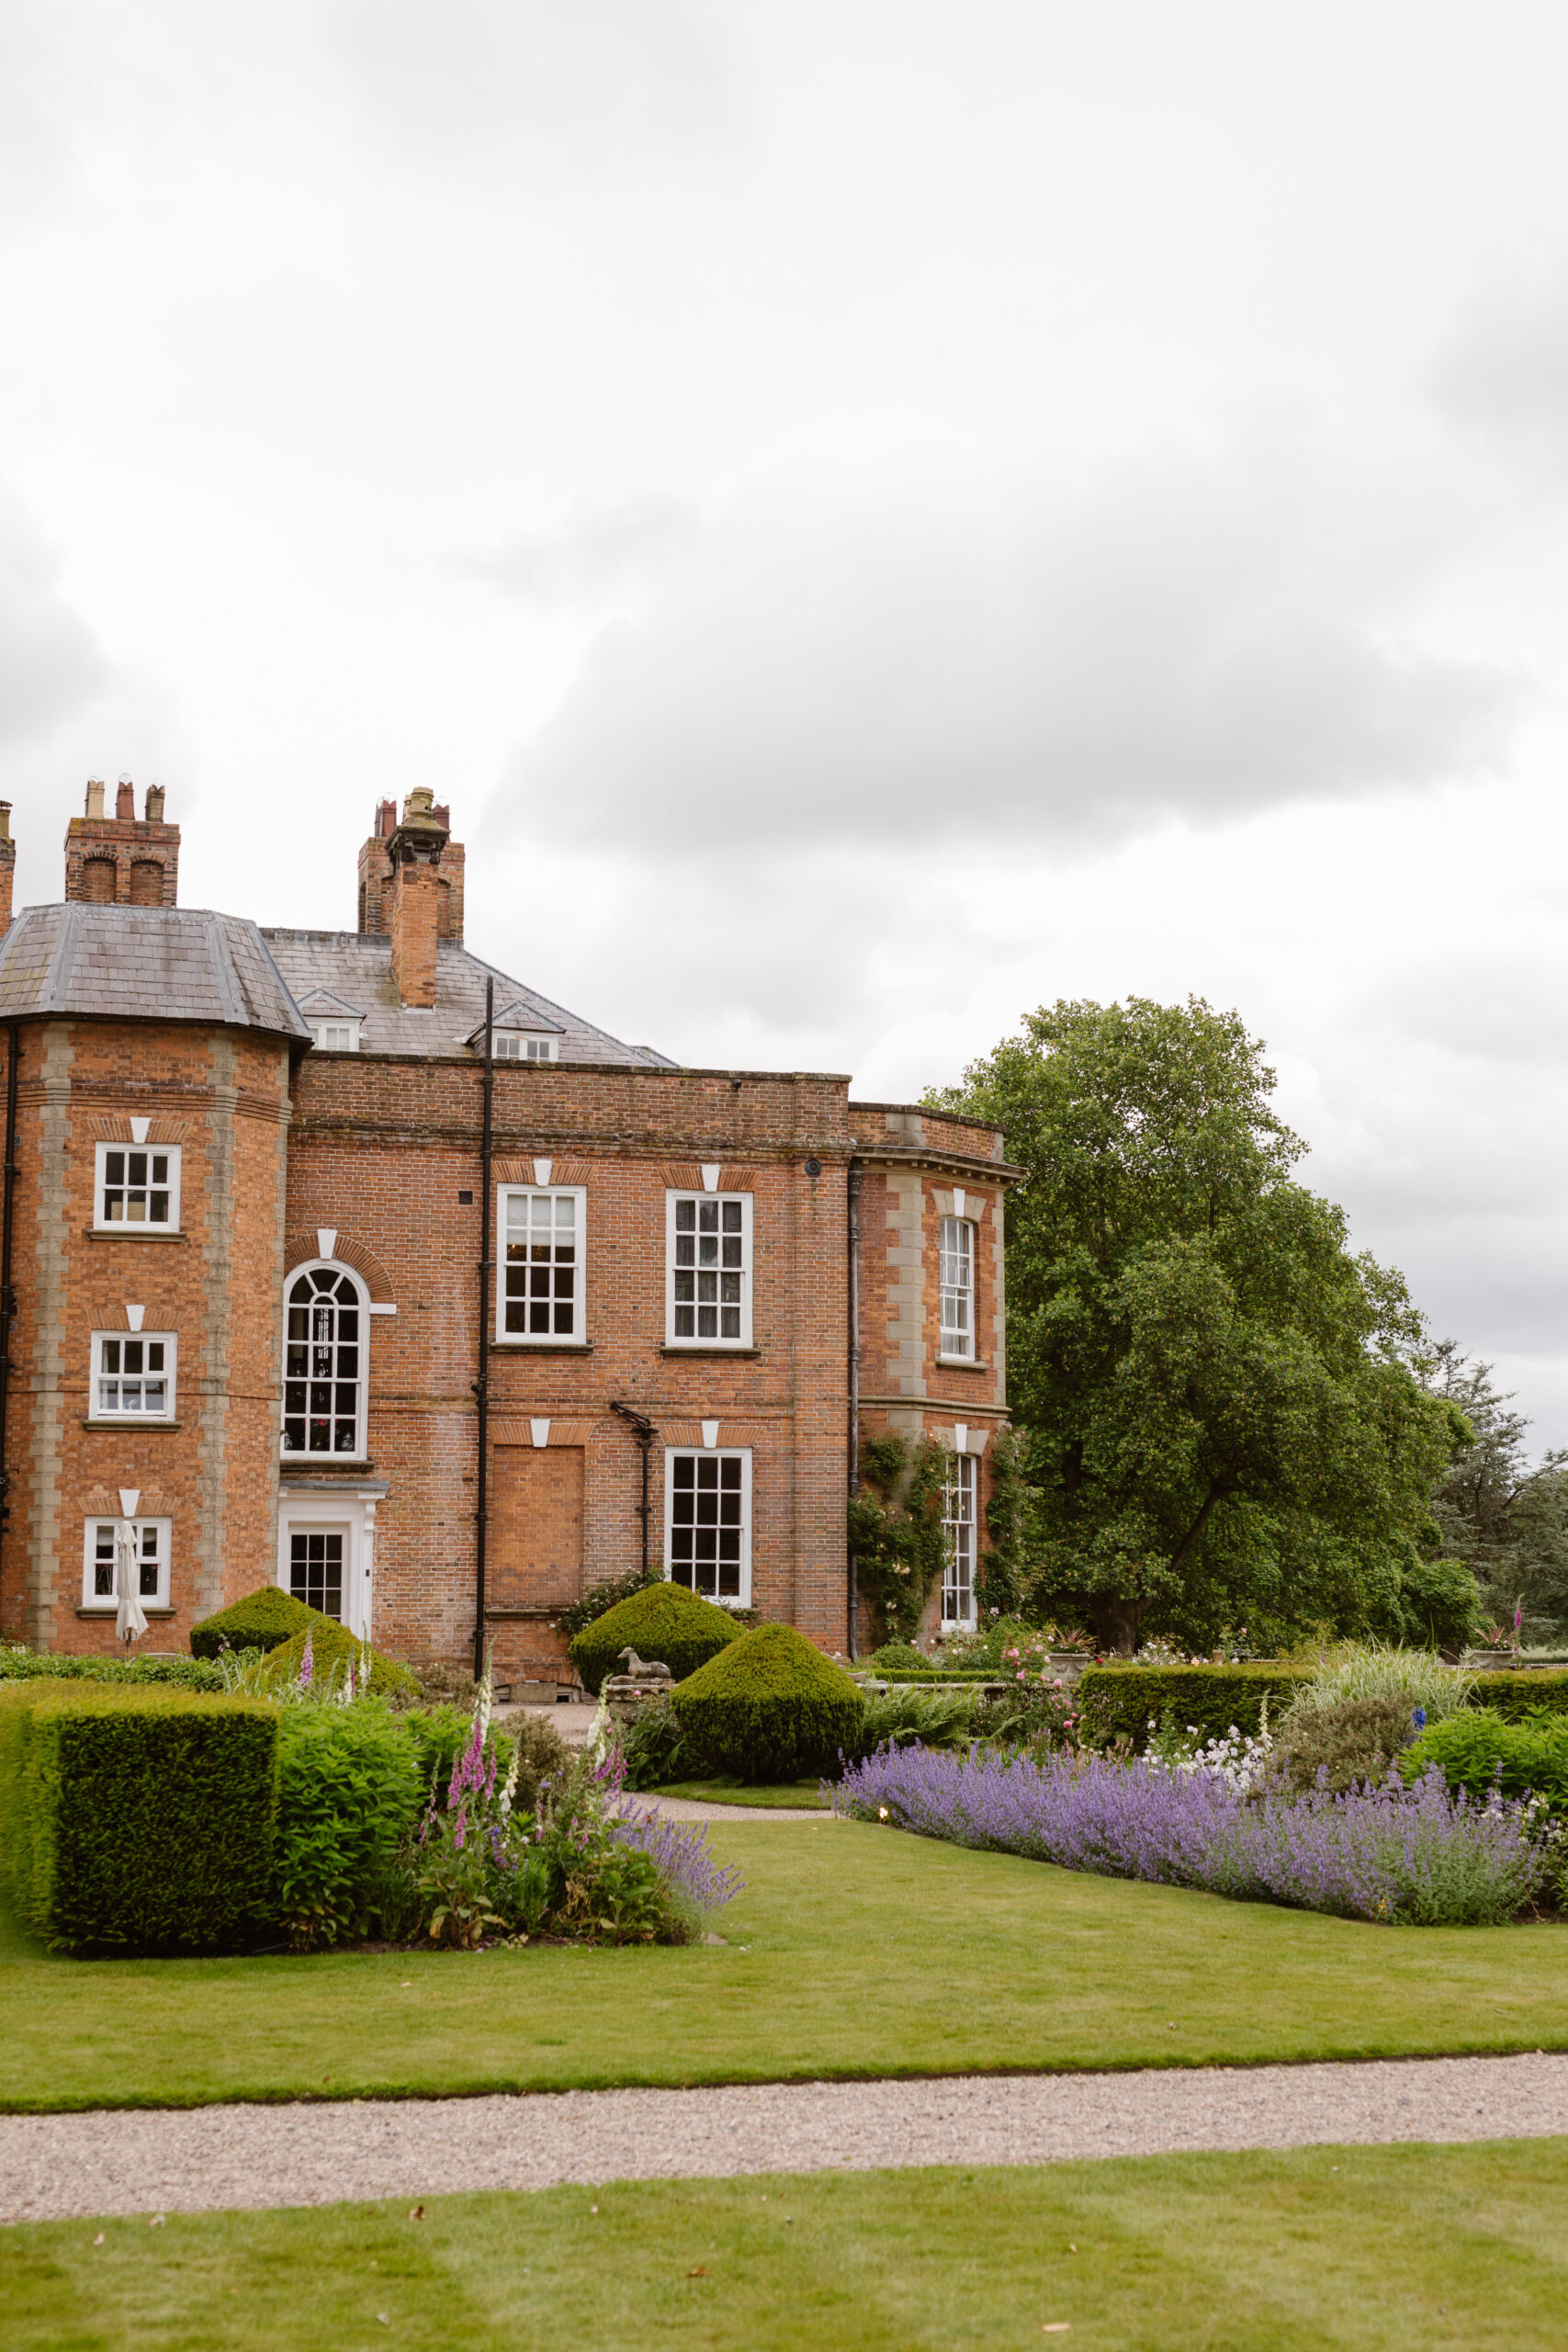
196 2159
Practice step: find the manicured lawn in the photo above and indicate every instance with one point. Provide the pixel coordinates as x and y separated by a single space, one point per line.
741 1792
1396 2248
855 1951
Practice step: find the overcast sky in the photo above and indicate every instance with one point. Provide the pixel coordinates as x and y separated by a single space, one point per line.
876 514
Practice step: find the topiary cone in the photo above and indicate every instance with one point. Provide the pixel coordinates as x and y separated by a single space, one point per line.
663 1622
770 1707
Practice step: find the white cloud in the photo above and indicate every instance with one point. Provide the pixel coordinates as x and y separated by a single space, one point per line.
603 547
1502 369
51 662
1180 636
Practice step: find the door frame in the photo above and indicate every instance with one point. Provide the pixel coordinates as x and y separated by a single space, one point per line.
334 1510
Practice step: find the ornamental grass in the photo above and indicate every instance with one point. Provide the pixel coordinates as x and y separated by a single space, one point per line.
1421 1856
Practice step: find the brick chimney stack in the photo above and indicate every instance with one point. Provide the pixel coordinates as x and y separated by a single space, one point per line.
415 849
115 861
376 870
8 866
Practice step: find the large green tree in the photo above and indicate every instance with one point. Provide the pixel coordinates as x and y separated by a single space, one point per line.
1223 1424
1505 1518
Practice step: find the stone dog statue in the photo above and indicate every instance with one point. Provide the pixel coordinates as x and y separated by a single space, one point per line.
640 1670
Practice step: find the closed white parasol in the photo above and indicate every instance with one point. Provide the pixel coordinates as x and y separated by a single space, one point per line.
131 1620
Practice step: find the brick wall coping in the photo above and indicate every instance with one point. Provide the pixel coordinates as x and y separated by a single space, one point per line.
897 1155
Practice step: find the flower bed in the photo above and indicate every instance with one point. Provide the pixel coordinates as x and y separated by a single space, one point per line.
1417 1856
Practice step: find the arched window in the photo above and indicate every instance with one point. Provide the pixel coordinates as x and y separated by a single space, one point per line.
324 1361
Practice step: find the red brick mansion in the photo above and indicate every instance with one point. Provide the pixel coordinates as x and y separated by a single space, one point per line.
310 1274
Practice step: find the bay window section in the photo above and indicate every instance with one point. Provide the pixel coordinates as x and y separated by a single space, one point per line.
150 1539
958 1543
136 1188
134 1376
957 1271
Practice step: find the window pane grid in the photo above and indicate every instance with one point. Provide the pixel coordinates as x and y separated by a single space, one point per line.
132 1375
136 1187
315 1569
321 1372
710 1540
958 1539
151 1537
540 1285
957 1275
710 1268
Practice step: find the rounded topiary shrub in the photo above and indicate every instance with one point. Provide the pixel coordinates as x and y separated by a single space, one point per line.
664 1624
331 1648
770 1707
264 1620
899 1657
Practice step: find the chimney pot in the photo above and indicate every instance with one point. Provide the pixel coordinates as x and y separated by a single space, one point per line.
125 801
154 804
94 807
386 823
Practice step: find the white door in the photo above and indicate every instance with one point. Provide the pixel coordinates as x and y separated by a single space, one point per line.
320 1562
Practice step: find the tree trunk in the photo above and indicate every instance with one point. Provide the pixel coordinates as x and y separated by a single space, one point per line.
1115 1623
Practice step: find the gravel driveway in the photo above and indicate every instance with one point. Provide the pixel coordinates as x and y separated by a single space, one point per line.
196 2159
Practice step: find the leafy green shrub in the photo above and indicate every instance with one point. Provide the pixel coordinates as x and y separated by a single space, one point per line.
664 1624
349 1792
1438 1604
333 1650
1480 1750
1518 1696
770 1707
655 1750
1356 1740
1379 1670
263 1620
898 1657
1118 1702
139 1673
936 1718
137 1819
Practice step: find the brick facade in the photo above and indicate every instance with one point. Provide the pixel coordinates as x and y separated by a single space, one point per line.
368 1165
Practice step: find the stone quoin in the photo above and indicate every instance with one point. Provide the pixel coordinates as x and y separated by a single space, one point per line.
245 1209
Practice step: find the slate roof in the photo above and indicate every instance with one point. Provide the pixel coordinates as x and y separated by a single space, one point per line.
359 972
144 963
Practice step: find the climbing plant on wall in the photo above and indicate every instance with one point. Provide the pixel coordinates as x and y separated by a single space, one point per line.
896 1529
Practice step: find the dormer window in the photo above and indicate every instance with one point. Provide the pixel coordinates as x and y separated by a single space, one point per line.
519 1033
336 1036
335 1024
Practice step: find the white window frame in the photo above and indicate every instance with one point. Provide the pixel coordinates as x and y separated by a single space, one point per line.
717 1453
133 1151
361 1444
135 1418
333 1033
161 1530
959 1517
577 1336
697 1339
953 1342
522 1045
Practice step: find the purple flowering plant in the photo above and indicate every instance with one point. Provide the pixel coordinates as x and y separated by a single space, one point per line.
1417 1856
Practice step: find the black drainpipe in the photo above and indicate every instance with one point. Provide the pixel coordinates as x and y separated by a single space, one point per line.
7 1295
854 1388
481 1386
644 1433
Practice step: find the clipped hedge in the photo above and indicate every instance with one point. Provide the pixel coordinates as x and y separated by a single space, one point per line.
1116 1702
333 1646
170 1673
137 1820
663 1622
263 1620
1516 1695
770 1707
349 1792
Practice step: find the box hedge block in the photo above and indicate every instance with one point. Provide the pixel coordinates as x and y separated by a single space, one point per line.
1118 1702
137 1820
